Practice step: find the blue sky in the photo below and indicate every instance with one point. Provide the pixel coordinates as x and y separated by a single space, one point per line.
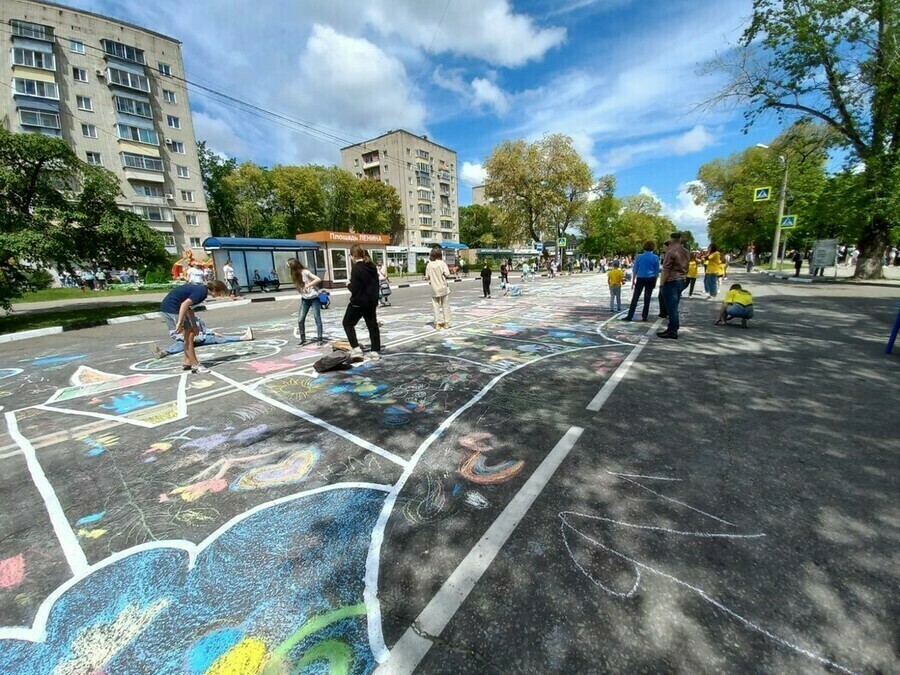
619 76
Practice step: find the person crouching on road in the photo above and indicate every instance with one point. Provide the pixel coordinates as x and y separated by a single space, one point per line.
203 338
178 310
486 280
614 278
437 273
738 304
363 303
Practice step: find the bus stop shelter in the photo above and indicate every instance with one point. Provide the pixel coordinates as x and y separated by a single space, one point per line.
266 256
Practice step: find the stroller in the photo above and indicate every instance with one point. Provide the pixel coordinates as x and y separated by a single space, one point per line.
384 292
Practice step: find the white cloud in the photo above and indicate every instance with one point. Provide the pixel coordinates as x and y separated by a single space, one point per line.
688 142
488 94
684 212
473 173
694 140
218 134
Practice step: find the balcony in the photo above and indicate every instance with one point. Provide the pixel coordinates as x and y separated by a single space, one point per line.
446 212
371 164
443 175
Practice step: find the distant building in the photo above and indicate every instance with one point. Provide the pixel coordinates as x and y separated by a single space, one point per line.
425 177
478 197
115 93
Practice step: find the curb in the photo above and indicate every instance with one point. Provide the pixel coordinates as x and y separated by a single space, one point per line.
844 281
55 330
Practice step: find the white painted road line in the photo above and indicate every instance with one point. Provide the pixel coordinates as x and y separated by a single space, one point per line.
621 371
412 646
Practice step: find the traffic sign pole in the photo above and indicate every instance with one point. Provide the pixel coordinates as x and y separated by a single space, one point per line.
774 262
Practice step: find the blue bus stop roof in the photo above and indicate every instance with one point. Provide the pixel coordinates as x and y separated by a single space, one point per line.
454 245
257 244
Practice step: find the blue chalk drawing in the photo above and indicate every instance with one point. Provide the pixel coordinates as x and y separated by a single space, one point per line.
127 402
53 360
93 518
262 579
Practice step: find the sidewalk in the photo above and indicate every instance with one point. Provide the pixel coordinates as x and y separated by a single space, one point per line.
841 275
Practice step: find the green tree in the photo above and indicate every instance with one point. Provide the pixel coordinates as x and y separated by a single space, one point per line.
477 228
251 186
836 61
602 219
220 200
539 189
57 211
298 200
376 209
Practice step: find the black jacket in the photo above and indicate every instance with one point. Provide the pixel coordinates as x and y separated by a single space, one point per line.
363 284
486 273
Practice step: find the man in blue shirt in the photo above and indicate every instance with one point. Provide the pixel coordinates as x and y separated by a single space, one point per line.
645 271
178 310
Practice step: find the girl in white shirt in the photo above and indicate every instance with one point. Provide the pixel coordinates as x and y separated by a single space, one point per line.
307 285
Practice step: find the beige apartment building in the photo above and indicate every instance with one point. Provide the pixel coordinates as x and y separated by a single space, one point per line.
478 198
424 175
116 94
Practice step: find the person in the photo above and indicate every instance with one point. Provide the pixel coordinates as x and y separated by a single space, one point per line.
437 273
727 262
615 278
797 258
204 337
692 273
363 303
101 279
178 310
486 280
195 274
384 285
713 269
464 267
645 271
526 268
663 314
307 285
231 280
87 279
504 273
854 257
738 304
750 258
672 283
258 281
274 280
510 289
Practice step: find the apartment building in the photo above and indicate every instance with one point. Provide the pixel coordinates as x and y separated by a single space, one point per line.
478 198
424 175
116 93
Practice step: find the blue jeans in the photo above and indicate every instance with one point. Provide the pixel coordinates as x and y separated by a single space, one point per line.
615 298
711 284
739 311
178 346
305 306
671 294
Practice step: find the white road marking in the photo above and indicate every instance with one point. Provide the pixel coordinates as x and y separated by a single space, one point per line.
621 371
412 646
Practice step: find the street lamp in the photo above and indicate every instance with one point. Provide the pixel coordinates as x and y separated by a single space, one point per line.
781 199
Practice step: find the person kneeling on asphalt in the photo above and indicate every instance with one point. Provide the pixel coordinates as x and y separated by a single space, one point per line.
738 304
204 337
510 289
178 310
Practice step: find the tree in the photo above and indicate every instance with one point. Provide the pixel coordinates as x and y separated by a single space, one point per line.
56 210
538 189
376 209
477 228
251 186
298 200
836 61
220 200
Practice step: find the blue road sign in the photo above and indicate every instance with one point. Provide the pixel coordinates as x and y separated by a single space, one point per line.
538 246
787 222
762 194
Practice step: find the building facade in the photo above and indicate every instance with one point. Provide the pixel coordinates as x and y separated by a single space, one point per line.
116 94
478 198
425 177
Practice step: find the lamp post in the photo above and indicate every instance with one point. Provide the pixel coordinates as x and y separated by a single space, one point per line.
781 200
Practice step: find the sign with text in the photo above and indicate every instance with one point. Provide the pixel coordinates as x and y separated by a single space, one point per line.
329 237
788 222
762 194
824 253
538 246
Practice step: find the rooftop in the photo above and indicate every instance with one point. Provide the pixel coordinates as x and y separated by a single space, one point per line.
107 18
398 131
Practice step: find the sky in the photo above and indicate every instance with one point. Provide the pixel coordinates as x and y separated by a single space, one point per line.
621 77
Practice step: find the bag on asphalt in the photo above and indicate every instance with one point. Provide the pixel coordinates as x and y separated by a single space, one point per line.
324 299
341 346
337 360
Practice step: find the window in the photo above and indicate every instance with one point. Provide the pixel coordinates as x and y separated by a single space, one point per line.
36 88
131 80
424 220
85 103
190 219
165 69
33 59
178 146
130 133
195 242
89 130
424 208
424 194
169 96
183 172
158 214
423 182
173 121
79 75
76 46
130 106
148 190
145 162
187 195
33 118
94 158
422 153
169 239
423 167
31 30
356 162
124 52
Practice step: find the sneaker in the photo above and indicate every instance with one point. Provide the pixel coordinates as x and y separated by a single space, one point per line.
200 370
156 351
356 354
667 335
248 334
625 318
374 356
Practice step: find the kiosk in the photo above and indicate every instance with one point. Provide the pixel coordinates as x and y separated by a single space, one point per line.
334 250
263 255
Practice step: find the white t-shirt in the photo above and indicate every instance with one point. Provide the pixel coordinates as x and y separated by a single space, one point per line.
310 290
195 275
437 273
229 272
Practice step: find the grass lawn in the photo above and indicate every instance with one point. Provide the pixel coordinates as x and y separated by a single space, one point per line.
15 323
50 294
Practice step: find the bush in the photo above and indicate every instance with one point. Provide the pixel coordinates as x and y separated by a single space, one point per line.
38 280
157 275
420 267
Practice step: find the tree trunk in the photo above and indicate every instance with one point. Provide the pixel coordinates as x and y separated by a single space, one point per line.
872 243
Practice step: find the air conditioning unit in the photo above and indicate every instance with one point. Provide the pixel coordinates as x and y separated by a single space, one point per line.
170 196
100 73
168 141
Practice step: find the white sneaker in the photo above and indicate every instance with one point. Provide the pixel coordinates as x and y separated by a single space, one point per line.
374 356
248 335
156 351
200 370
356 354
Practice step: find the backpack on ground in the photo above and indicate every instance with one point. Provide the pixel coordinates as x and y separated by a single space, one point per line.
337 360
324 299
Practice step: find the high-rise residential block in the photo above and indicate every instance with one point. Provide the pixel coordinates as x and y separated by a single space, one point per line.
116 94
424 175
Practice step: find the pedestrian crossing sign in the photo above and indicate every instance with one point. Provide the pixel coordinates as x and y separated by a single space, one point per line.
762 194
787 222
561 242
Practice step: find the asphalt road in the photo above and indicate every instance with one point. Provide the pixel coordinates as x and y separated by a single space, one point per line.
539 489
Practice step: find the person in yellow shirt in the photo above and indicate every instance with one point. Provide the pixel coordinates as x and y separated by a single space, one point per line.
714 270
615 277
738 304
692 273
